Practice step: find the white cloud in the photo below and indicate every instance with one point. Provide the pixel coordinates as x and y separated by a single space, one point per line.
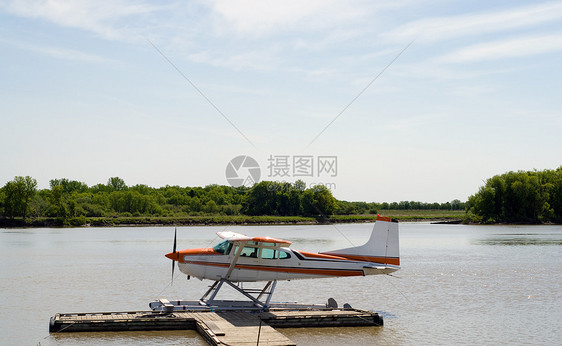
517 47
99 17
441 28
255 59
61 53
258 18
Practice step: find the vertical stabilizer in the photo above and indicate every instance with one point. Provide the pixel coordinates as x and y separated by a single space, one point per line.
382 246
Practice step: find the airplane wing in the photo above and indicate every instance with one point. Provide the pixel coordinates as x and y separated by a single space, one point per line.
281 242
233 236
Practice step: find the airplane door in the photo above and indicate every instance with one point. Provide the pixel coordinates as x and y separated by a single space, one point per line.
269 258
247 266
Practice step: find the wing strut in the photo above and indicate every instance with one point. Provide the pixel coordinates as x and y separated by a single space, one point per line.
235 259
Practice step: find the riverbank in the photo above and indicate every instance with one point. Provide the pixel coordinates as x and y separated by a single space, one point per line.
447 216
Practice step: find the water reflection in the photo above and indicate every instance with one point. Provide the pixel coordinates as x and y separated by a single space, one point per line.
520 240
339 336
183 337
385 314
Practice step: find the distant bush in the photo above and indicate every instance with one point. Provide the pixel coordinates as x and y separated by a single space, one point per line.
519 197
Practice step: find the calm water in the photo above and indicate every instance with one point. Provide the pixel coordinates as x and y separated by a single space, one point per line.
458 284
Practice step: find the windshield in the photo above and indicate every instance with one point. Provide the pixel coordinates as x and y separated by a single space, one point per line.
223 247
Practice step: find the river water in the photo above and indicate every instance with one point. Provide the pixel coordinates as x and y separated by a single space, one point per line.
458 284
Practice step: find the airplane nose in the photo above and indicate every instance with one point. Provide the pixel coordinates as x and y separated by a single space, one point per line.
174 256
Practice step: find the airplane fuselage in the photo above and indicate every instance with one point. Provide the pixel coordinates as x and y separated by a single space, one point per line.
240 258
266 263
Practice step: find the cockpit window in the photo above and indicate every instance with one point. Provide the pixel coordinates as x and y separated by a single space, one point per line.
269 253
249 251
223 247
284 255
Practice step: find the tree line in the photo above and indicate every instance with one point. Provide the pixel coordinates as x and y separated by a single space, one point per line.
67 198
349 208
70 199
519 197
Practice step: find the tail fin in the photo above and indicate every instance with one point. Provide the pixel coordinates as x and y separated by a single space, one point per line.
382 247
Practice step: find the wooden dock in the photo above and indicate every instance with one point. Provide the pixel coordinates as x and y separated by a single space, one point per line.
218 328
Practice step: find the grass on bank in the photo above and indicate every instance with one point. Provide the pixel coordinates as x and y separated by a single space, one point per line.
117 220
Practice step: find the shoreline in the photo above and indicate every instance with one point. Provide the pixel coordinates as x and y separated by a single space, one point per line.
217 220
437 217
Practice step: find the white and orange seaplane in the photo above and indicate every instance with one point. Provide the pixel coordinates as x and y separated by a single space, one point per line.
239 258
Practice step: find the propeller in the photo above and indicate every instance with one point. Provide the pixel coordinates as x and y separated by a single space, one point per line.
174 252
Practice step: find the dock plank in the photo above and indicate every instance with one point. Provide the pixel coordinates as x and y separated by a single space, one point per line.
236 334
214 328
218 328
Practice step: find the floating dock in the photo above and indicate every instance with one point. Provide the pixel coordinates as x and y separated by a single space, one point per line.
218 327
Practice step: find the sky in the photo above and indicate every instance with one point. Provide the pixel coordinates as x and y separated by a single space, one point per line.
377 100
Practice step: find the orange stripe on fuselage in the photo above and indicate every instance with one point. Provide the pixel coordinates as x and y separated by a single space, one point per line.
373 259
310 271
322 256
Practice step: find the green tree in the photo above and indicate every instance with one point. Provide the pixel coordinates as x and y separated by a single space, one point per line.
295 201
261 199
69 186
18 193
116 183
456 204
195 204
483 204
318 201
231 209
300 185
57 204
308 203
524 196
325 202
2 201
39 204
211 207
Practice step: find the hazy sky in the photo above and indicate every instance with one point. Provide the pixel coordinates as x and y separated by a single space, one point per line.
85 95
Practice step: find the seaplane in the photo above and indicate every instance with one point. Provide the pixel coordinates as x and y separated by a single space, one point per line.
239 258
